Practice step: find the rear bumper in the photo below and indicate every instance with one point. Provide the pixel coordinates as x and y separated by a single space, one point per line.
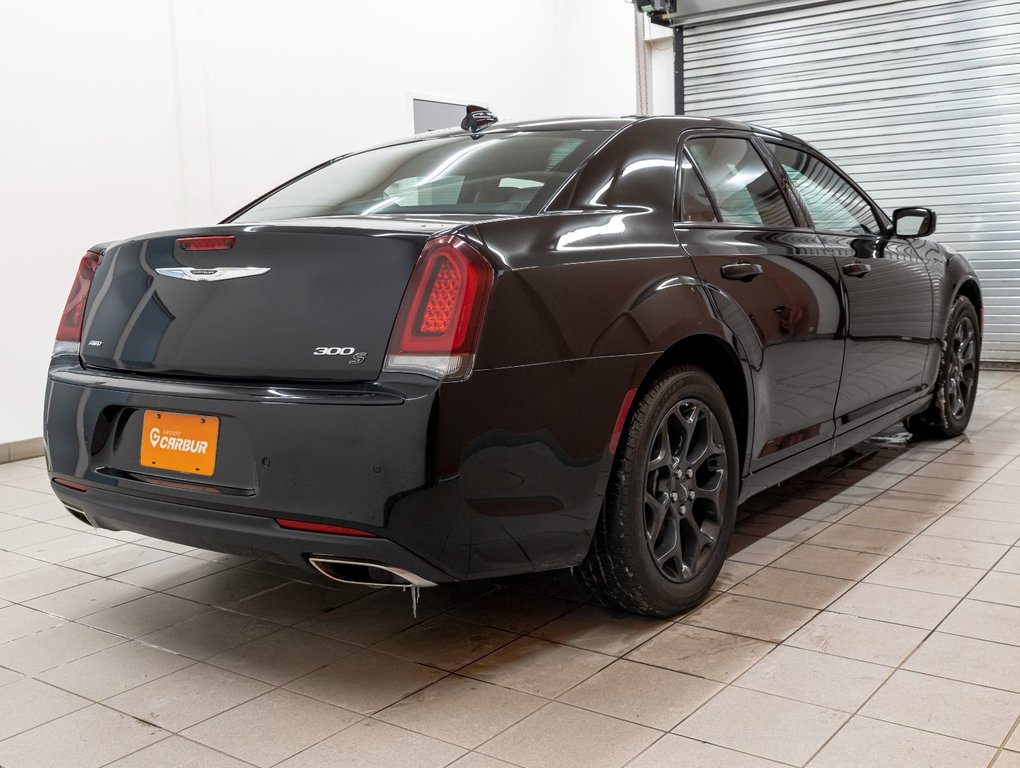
246 535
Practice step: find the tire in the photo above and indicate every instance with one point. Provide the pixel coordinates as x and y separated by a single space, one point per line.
658 553
952 402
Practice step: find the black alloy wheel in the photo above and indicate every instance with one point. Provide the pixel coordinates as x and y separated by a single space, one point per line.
672 499
961 374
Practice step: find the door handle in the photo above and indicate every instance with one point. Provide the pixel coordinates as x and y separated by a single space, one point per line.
741 271
856 269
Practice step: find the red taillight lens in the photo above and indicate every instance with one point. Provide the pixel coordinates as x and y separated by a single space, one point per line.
69 329
340 530
207 243
441 314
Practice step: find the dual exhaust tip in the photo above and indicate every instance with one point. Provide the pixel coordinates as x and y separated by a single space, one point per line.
366 574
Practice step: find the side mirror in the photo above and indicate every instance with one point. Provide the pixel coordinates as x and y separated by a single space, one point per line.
913 222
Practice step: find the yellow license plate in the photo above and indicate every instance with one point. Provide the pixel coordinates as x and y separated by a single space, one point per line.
180 442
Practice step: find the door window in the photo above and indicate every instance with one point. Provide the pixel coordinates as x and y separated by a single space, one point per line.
742 187
834 205
695 204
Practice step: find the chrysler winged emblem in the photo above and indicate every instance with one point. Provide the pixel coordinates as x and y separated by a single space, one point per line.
211 274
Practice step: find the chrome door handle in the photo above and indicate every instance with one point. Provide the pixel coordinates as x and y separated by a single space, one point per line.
741 271
856 269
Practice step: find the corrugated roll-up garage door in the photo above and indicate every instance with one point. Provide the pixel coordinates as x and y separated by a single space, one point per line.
919 100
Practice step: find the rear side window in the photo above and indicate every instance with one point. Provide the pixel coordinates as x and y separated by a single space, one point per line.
695 204
491 174
834 205
741 185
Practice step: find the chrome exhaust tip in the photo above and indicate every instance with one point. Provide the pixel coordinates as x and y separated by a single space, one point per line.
366 574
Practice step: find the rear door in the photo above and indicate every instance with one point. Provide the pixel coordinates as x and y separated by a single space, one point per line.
887 285
774 284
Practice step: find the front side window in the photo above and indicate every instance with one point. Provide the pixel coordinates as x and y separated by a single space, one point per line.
743 188
834 205
508 173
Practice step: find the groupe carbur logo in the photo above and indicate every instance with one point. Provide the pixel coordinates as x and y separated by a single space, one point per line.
171 440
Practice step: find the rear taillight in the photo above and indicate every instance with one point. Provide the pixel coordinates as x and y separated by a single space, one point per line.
69 331
440 318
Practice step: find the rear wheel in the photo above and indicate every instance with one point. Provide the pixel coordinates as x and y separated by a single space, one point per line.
956 387
672 500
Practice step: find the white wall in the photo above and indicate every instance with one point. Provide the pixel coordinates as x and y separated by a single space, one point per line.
124 116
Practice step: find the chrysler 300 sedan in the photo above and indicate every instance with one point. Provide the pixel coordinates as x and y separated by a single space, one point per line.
504 349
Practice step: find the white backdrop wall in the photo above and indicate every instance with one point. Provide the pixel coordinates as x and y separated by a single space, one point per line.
127 116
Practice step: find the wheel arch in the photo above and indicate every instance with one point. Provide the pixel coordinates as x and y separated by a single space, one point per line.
969 288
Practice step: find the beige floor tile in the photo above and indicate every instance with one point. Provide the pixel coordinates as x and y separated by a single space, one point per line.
28 585
1000 511
990 492
750 617
12 563
560 736
949 707
954 490
702 652
18 621
672 751
860 539
838 493
293 602
940 578
984 621
856 638
827 561
973 458
64 548
732 573
598 629
812 509
969 554
998 588
947 471
901 520
892 604
368 620
115 670
8 676
26 703
178 753
374 744
865 478
1010 562
88 738
476 760
750 549
780 527
283 656
210 634
272 727
116 559
897 498
969 660
1007 760
365 681
538 667
815 678
12 499
55 646
14 539
1013 742
969 529
227 587
86 599
867 743
146 615
646 695
171 572
770 727
512 610
189 696
445 642
793 587
461 711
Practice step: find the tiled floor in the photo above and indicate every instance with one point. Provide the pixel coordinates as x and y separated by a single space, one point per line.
869 615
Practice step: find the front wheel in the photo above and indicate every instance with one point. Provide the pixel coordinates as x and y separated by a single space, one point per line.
956 387
672 499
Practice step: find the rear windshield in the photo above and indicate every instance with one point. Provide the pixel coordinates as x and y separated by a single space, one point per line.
498 173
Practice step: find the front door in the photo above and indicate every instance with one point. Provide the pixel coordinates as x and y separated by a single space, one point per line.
888 291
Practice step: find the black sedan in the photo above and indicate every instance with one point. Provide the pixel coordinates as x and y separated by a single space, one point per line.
503 349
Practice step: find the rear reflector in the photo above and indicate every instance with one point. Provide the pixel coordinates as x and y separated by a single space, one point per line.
206 243
71 484
69 330
340 530
437 328
621 419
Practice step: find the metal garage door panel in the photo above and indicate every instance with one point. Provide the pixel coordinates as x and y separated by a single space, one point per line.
919 100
